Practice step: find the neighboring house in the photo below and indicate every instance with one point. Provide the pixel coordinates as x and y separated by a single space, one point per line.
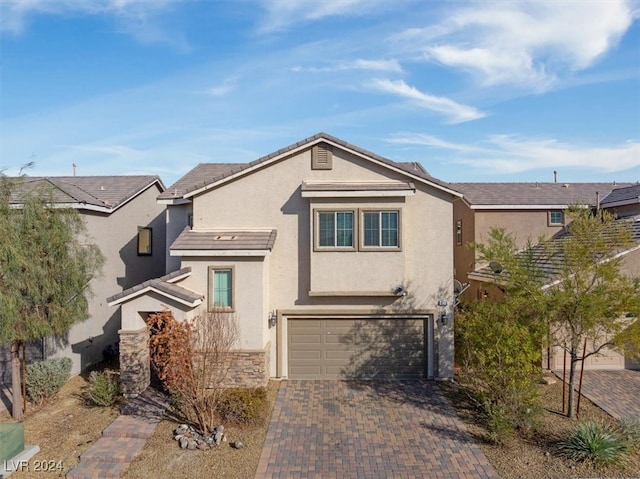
526 210
548 259
125 221
623 201
337 262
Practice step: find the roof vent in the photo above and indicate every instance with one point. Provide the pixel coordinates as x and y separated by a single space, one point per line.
565 185
102 188
225 237
321 157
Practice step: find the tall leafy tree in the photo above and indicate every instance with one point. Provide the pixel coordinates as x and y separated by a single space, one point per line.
590 298
573 285
46 265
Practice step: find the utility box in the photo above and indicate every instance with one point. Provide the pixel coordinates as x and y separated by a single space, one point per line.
11 440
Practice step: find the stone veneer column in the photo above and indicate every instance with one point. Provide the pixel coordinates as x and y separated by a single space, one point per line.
135 365
249 369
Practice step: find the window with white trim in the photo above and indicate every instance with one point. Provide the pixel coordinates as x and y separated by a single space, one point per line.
381 229
459 232
556 218
220 288
334 229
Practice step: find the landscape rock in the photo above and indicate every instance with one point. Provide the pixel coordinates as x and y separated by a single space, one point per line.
237 445
548 380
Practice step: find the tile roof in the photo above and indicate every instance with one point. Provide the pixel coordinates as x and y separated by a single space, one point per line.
206 174
627 194
548 257
260 240
103 192
163 285
541 194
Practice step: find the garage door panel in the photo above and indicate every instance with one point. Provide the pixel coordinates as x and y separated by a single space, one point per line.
313 355
359 348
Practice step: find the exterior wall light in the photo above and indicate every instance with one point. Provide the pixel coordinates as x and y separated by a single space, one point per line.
444 317
273 319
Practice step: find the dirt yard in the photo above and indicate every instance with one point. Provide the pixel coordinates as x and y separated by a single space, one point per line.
537 457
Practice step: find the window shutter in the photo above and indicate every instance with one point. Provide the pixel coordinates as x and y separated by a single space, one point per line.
321 157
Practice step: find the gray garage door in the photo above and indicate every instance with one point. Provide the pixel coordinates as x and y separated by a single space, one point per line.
356 348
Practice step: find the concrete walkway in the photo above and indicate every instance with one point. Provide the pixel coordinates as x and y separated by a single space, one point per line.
349 429
123 439
616 391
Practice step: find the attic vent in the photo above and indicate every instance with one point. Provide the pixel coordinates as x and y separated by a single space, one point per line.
321 157
225 237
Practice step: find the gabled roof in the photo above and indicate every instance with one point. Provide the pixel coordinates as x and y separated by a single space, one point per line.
627 195
532 195
548 258
97 193
164 286
224 242
209 175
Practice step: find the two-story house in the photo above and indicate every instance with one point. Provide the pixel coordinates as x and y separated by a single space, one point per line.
624 203
125 221
337 262
529 211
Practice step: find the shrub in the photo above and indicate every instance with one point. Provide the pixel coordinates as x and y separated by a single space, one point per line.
591 442
45 378
104 387
247 406
629 431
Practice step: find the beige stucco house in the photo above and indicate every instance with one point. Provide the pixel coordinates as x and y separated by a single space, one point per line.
337 262
527 210
625 204
125 221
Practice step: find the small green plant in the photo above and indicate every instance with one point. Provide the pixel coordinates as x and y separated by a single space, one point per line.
591 442
104 387
45 378
629 431
247 406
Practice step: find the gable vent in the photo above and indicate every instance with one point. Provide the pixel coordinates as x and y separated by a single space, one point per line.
321 157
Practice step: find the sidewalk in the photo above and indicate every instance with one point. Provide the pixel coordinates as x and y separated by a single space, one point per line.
123 439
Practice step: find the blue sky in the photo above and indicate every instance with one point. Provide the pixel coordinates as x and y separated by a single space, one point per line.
484 91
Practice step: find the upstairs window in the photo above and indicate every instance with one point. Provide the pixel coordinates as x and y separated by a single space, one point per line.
381 229
144 241
220 288
459 232
334 229
556 218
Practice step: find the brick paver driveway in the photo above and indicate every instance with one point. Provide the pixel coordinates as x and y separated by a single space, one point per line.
614 391
348 429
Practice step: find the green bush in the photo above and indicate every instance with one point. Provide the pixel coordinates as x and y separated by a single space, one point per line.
45 378
243 406
104 387
591 442
629 431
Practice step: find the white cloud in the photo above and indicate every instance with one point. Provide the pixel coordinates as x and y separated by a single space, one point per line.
281 14
456 112
222 89
138 18
527 44
508 154
359 64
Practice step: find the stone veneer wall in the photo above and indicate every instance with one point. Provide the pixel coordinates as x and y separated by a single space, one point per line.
135 364
249 369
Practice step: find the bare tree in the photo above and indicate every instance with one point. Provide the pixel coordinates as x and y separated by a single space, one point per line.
193 360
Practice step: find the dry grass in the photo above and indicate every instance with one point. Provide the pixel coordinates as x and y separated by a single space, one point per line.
63 427
536 457
161 456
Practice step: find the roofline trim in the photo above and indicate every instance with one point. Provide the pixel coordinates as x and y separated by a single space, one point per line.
219 252
522 207
150 288
613 204
323 138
